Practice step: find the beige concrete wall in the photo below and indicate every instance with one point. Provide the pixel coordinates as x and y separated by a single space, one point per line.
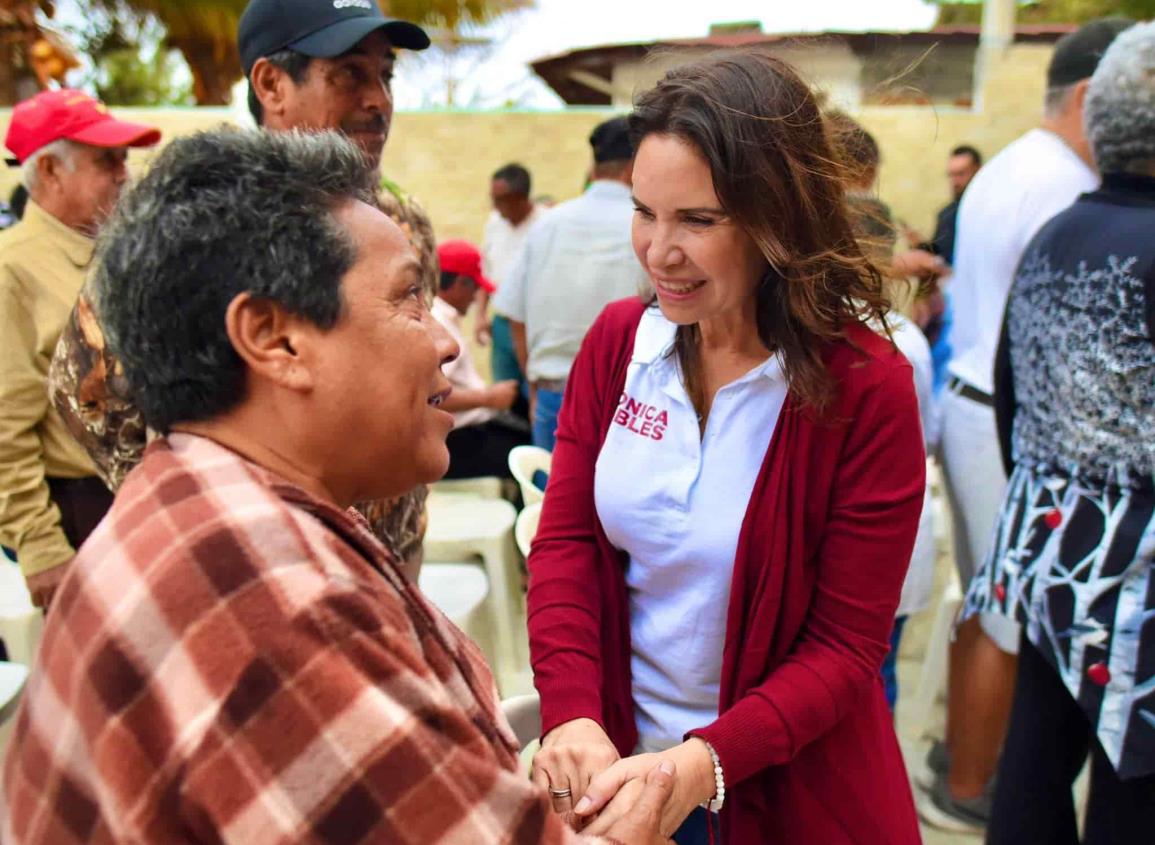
445 158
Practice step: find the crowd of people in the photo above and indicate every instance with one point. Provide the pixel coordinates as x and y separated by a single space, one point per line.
225 390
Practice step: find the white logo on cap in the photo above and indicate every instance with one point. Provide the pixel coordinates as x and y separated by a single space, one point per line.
345 4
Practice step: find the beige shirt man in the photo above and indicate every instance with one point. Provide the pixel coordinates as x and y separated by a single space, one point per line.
42 267
72 153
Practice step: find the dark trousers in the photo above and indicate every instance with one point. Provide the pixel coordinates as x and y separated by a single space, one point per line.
695 830
1047 743
476 451
83 502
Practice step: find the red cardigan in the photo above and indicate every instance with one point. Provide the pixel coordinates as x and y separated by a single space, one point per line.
804 735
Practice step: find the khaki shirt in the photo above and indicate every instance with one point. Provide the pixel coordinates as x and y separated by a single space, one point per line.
42 267
89 390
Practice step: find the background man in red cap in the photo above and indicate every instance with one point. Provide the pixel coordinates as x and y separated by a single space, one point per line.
483 430
311 66
72 152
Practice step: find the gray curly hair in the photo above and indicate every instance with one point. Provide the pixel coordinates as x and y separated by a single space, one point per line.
221 213
1120 109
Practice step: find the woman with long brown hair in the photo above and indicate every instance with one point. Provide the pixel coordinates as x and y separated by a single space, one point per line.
735 493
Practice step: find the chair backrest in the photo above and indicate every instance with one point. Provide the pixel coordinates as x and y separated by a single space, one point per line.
12 679
523 712
526 527
524 461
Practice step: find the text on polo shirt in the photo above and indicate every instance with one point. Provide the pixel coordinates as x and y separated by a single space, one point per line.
641 418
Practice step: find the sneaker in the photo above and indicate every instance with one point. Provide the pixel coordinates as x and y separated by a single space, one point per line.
940 809
936 764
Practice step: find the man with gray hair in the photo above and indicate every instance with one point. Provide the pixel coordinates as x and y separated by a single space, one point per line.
1009 200
72 153
234 657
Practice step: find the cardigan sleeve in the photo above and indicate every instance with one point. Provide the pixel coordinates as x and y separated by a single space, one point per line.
862 558
564 602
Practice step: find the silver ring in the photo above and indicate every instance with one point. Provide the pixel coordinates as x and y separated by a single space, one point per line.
560 793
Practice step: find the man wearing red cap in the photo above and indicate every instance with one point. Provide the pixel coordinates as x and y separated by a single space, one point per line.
72 153
483 429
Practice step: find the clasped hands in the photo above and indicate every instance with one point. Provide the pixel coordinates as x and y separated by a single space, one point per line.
605 787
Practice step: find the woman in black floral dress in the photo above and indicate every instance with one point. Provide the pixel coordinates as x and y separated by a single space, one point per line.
1073 558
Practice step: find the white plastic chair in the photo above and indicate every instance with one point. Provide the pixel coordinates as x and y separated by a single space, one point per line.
487 487
21 622
523 712
13 676
932 678
461 527
526 528
524 461
460 590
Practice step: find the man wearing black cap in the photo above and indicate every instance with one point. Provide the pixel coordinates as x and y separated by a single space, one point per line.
311 65
1009 200
576 260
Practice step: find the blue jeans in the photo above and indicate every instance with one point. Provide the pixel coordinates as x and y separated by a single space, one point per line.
545 418
889 664
695 830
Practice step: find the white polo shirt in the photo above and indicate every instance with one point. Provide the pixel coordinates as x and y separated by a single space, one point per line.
674 500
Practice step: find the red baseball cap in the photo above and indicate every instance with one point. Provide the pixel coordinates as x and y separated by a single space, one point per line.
464 259
74 116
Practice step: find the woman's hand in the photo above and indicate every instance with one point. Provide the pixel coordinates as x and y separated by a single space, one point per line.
616 790
571 755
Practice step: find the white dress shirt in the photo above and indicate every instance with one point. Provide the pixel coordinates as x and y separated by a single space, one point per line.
461 372
1010 199
674 500
502 242
578 258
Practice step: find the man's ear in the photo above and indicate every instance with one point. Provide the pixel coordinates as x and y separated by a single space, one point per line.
270 85
1080 93
274 344
48 169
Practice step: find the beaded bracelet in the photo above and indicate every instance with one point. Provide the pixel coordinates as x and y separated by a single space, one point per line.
714 805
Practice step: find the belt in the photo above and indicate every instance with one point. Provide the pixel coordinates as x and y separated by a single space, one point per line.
969 391
552 385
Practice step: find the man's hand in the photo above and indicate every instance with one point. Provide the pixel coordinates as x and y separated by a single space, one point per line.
643 823
43 585
614 791
919 263
502 395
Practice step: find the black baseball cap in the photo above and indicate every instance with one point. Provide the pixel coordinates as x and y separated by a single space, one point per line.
1077 54
611 141
321 29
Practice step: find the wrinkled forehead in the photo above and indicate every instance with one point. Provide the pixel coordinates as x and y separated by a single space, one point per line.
377 238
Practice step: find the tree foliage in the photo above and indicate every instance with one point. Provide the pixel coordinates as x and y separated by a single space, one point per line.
205 31
1049 11
131 63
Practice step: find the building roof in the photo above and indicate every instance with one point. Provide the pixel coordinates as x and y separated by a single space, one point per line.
563 72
